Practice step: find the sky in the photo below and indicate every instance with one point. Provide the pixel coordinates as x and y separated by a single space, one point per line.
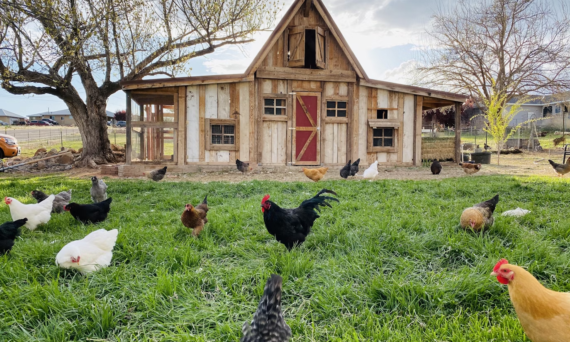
384 35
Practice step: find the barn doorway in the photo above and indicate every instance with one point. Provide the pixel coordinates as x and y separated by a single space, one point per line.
306 120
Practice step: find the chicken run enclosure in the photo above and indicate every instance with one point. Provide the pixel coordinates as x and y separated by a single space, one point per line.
304 100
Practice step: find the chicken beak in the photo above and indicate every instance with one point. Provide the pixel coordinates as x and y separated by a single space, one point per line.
494 274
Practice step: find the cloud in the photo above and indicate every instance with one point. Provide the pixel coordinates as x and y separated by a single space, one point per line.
404 73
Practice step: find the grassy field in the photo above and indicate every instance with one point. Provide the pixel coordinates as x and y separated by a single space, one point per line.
387 263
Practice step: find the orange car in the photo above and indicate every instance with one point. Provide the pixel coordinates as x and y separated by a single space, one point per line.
8 146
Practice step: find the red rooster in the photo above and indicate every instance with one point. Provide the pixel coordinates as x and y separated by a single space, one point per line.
291 226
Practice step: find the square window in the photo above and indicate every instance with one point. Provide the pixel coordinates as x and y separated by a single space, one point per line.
222 134
382 137
336 109
274 107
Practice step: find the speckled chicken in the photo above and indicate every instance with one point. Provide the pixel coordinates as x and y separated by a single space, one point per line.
561 169
242 166
268 324
195 217
157 175
479 216
98 190
60 201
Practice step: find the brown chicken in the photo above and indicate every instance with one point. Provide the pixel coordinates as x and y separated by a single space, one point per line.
544 314
315 174
195 217
559 141
479 216
561 169
469 168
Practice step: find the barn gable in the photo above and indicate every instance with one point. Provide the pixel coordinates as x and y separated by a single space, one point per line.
307 38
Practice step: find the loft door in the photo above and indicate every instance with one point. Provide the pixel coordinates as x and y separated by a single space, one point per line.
306 149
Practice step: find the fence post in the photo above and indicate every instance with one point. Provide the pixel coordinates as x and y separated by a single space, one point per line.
61 137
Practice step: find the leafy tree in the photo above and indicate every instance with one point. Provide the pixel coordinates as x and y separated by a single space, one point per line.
121 115
45 44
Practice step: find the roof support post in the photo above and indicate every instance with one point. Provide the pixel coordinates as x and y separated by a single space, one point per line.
458 132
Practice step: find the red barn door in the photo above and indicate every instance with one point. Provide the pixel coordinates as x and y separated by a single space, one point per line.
306 147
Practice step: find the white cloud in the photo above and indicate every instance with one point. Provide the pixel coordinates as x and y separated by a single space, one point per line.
404 73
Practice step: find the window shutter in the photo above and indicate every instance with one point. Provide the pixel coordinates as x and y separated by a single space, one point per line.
321 48
296 47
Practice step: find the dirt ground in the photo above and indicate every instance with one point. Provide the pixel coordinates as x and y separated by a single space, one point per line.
525 164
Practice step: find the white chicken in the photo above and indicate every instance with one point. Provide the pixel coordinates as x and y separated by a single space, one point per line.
36 214
94 252
371 171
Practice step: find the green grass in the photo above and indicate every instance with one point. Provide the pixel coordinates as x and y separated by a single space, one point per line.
387 263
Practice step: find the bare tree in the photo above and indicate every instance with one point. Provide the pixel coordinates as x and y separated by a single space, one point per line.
44 45
523 45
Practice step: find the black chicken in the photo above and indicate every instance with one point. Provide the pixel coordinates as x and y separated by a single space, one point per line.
8 233
87 213
345 171
268 324
354 167
435 167
291 226
157 175
242 166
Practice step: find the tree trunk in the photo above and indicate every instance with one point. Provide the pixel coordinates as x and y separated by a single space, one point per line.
91 120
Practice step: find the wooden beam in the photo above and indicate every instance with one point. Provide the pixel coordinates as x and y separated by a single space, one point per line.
181 150
418 132
458 132
155 124
185 81
428 93
308 4
306 74
129 129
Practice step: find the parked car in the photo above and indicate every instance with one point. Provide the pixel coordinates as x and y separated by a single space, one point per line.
53 122
22 123
8 146
39 123
108 123
2 123
121 124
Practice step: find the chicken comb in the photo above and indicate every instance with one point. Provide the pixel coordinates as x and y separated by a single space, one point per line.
498 265
265 198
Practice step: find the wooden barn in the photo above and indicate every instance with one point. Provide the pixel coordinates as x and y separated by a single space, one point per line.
304 100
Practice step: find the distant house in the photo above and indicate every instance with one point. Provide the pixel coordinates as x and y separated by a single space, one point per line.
10 117
63 117
548 108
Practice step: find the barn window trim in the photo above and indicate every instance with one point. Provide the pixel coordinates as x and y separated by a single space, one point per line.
284 108
209 134
371 138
